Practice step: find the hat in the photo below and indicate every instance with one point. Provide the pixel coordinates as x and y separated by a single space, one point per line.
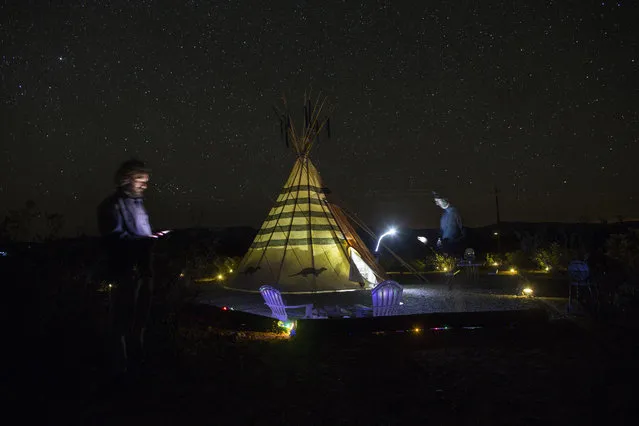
129 168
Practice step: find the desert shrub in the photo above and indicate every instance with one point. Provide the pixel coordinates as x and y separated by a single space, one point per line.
442 262
551 257
518 259
419 265
494 258
225 264
623 249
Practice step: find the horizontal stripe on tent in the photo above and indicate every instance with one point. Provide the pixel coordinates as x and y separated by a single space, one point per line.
295 242
298 219
299 195
298 213
288 190
299 201
286 228
300 210
299 224
277 235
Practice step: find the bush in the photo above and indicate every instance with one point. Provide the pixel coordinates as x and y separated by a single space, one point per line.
623 249
226 265
443 262
493 259
518 259
551 257
419 265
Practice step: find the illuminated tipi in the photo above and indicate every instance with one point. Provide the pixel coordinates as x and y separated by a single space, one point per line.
306 244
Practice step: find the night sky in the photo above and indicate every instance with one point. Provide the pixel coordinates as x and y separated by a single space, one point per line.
537 97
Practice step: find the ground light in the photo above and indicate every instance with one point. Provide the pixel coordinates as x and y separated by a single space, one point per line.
513 270
220 277
288 326
391 231
527 291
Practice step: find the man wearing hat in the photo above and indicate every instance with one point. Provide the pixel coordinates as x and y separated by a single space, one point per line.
126 232
452 230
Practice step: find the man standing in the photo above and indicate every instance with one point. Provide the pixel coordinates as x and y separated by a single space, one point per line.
124 225
452 230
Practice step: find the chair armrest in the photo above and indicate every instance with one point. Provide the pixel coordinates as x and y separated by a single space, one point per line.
308 307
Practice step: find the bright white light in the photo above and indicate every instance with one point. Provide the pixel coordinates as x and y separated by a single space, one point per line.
362 267
391 231
422 240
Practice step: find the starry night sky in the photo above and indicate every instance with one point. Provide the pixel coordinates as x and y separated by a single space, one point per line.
537 97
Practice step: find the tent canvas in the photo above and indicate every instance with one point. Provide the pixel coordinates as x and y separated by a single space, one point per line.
306 244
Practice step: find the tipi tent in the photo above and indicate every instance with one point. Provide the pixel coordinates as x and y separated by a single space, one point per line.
306 243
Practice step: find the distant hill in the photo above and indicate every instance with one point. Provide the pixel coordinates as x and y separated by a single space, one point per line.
235 241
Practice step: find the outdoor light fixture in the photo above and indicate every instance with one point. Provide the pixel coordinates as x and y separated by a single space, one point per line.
391 231
495 264
288 326
422 240
220 277
527 291
513 270
547 268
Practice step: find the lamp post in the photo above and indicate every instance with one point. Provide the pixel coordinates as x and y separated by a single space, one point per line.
391 231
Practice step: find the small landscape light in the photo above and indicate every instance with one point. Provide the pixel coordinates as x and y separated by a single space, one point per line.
288 326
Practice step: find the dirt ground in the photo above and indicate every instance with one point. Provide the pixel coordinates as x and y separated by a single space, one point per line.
557 373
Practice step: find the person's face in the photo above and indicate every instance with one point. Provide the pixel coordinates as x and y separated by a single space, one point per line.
441 203
139 182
